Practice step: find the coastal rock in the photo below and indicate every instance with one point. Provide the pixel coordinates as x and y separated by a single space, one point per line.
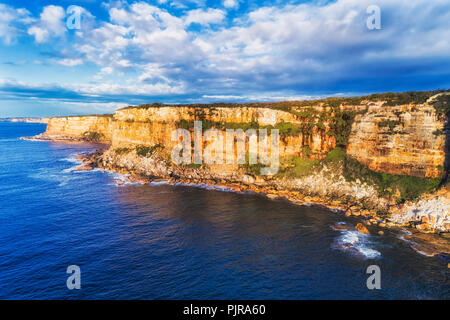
423 226
429 244
340 227
432 212
362 229
406 145
445 235
247 179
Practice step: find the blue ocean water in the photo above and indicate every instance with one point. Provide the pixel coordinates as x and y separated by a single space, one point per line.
177 242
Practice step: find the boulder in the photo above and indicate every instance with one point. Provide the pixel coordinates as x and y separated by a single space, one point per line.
423 226
361 228
428 243
247 179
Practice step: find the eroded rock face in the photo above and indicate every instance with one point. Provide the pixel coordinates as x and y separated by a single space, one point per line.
75 127
406 139
154 125
429 244
430 212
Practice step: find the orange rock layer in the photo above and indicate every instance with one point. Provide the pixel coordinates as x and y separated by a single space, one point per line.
405 139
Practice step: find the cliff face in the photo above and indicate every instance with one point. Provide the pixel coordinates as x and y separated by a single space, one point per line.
407 139
150 126
402 139
79 127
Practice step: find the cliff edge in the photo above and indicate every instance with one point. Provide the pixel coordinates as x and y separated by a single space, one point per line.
382 156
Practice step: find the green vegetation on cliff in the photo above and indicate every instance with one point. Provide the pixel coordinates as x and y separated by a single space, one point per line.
332 122
390 98
442 104
147 151
331 119
122 151
397 187
389 123
92 136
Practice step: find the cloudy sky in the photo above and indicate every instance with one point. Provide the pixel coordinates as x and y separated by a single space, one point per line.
175 51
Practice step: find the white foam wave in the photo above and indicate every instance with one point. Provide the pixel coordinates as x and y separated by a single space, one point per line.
72 159
204 186
47 175
356 243
120 179
160 183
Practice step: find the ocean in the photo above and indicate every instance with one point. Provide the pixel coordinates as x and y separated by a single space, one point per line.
162 241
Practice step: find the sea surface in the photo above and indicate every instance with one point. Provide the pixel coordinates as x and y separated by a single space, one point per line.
161 241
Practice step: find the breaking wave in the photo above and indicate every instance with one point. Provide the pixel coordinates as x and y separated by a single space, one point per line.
356 243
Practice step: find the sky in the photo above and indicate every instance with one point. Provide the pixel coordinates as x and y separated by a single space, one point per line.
88 57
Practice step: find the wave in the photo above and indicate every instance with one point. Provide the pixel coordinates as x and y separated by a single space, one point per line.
48 175
120 179
72 159
356 243
204 186
160 183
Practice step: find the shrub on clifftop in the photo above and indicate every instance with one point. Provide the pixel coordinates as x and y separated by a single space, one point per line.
92 136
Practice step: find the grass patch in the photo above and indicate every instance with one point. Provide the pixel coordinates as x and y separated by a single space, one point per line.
442 104
297 167
400 187
194 165
147 151
121 151
389 123
387 184
92 136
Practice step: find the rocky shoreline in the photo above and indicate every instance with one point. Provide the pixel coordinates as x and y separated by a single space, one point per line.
423 232
426 222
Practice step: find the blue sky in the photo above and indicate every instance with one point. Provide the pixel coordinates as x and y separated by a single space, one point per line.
174 51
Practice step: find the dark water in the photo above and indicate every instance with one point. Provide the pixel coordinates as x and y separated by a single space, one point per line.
174 242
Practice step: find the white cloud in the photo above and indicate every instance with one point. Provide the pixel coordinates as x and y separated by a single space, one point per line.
91 90
205 17
96 107
106 88
260 97
282 50
10 21
271 48
50 24
231 4
69 62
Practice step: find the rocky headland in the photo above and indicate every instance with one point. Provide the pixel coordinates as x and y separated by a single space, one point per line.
383 158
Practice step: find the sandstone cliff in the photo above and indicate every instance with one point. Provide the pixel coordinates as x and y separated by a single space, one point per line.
368 156
94 127
406 139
